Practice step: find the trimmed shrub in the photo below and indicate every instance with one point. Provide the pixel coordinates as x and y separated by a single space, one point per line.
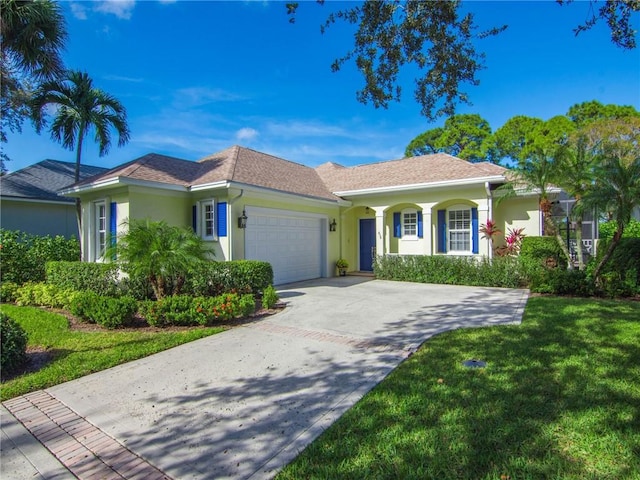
13 343
100 278
544 250
105 311
560 281
269 297
441 269
44 295
213 278
621 275
8 291
23 256
184 310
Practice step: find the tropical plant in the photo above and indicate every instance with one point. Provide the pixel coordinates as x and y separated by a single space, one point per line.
33 35
615 145
80 108
490 230
159 252
342 263
513 242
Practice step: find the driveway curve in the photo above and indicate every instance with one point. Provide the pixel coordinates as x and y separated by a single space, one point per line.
244 403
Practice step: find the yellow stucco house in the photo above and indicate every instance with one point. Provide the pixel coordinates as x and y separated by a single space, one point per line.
251 205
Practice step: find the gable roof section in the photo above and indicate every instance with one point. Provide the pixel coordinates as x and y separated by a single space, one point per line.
249 167
43 180
439 168
151 168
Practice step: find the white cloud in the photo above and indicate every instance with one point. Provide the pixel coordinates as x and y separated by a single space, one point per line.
122 9
78 10
198 96
119 78
246 134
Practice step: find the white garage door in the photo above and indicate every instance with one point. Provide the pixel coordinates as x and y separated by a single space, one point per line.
292 242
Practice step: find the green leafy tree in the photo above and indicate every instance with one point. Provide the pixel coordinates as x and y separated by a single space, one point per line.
33 34
510 139
424 144
615 147
161 253
586 112
462 136
80 108
439 41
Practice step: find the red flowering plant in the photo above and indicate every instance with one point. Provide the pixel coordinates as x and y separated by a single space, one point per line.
490 230
513 241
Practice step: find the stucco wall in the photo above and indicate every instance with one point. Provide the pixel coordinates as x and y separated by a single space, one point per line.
39 218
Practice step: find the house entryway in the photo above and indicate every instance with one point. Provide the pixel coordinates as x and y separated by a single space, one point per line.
367 244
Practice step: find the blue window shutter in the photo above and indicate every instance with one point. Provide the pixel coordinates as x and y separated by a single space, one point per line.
420 227
475 246
221 219
442 231
397 228
194 218
113 221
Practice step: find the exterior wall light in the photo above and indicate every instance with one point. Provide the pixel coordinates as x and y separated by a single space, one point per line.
242 220
333 225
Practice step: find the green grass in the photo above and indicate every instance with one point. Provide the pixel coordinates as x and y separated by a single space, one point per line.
78 353
559 399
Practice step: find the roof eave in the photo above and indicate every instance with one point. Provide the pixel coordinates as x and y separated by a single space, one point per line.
76 190
420 186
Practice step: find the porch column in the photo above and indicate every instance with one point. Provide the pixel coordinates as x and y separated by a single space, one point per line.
427 231
485 244
380 237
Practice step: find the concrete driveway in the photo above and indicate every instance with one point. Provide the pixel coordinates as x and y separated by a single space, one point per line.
244 403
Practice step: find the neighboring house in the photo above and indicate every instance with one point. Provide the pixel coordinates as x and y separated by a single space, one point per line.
302 219
29 199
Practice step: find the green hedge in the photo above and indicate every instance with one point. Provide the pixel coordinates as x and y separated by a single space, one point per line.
240 276
607 229
621 274
210 278
498 272
23 256
543 249
100 278
105 311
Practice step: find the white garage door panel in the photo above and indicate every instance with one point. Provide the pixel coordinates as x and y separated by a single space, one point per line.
293 245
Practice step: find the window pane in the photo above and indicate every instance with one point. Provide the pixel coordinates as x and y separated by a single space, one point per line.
410 224
460 230
208 219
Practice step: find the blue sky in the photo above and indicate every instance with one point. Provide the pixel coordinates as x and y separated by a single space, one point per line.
197 77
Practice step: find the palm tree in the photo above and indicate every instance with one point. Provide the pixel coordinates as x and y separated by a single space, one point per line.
80 108
33 33
160 253
615 145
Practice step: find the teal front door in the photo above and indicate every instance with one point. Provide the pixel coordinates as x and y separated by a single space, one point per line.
367 243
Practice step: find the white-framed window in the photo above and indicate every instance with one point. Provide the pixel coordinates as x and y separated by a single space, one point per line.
100 229
459 229
208 219
409 223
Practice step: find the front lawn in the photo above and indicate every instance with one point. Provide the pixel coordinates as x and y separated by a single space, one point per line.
559 399
65 354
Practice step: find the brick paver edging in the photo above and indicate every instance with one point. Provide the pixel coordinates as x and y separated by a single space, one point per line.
80 446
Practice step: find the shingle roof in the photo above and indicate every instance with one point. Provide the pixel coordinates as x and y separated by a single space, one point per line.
43 180
250 167
246 166
424 169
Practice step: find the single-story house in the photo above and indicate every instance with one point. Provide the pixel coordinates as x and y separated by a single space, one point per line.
30 202
302 219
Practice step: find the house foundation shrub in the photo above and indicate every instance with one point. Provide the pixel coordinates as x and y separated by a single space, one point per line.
448 270
100 278
8 291
23 256
213 278
13 344
544 251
